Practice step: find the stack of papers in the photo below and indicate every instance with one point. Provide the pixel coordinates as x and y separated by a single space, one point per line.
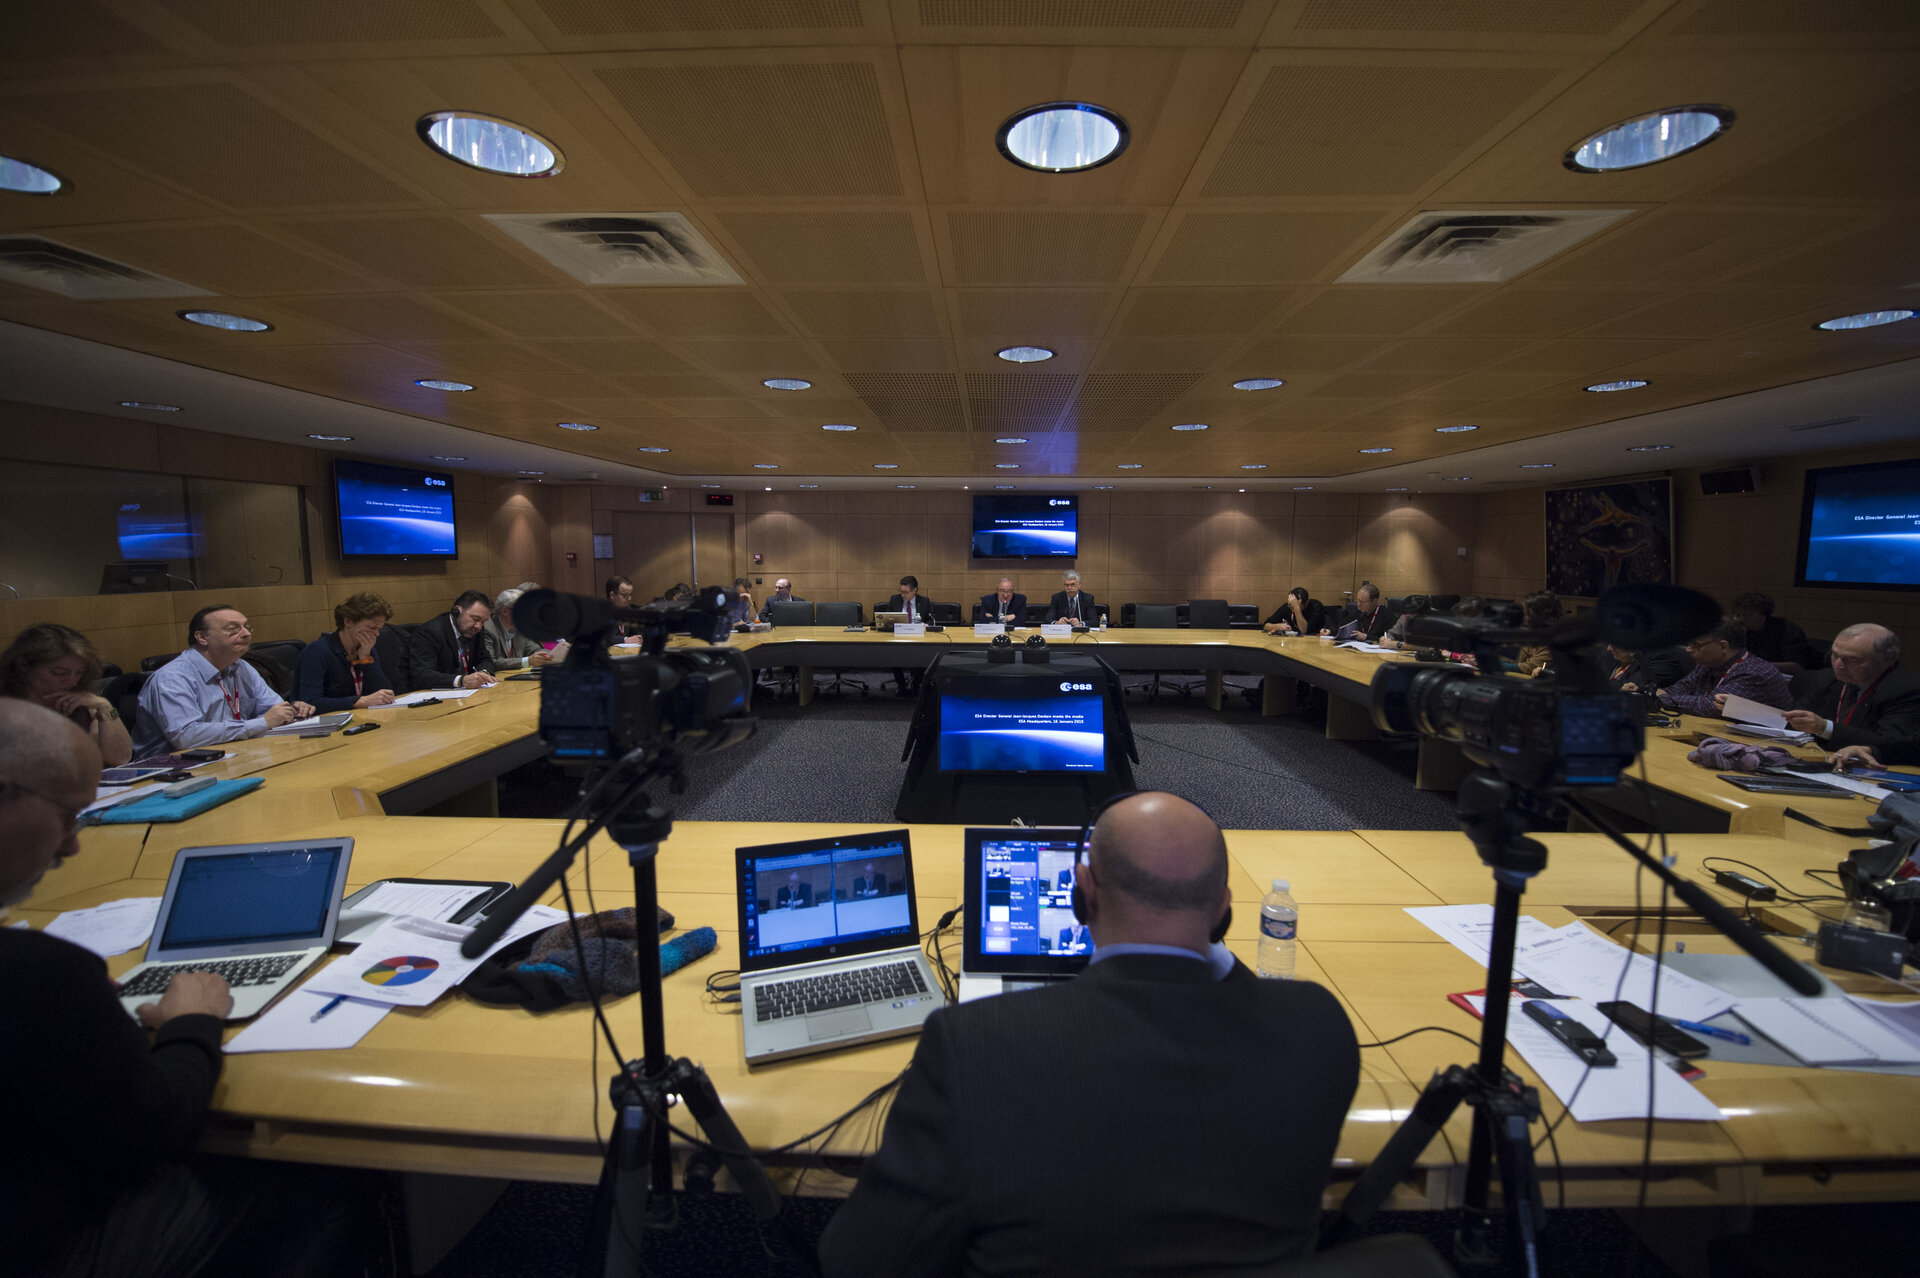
1361 645
110 929
1751 719
1837 1031
1602 1093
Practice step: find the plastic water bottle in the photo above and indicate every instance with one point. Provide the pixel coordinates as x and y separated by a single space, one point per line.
1279 922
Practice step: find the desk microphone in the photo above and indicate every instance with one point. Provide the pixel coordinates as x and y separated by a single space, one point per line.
685 948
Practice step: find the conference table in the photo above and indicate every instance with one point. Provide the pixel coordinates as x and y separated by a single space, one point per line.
471 1090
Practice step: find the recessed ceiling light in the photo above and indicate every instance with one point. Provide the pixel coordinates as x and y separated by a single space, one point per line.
1649 139
530 472
1062 137
769 488
800 486
1025 354
1456 479
839 426
437 383
1097 487
1253 466
786 383
27 179
151 408
437 457
220 319
1243 490
1011 439
333 439
766 465
709 485
1630 383
1003 485
1865 319
1536 465
906 485
1258 383
1452 430
886 465
1191 426
1129 466
1303 488
1649 448
652 448
495 146
1396 490
1006 465
576 426
1376 450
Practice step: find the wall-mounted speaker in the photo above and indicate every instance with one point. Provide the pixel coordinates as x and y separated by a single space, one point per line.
1726 483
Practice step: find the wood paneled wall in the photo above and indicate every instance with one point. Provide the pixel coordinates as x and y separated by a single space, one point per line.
510 531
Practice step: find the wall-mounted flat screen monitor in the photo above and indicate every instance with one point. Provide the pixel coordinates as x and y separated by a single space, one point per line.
1860 527
394 510
1021 725
158 536
1026 526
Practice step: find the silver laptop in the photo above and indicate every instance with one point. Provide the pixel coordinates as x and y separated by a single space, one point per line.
830 945
259 914
888 620
1020 931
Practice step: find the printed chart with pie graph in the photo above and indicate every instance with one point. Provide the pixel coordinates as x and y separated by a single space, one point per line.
404 970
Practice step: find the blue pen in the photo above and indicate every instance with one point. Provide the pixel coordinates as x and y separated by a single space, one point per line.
1711 1031
336 1001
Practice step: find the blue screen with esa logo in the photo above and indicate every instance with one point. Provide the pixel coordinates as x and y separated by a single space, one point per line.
1024 726
393 510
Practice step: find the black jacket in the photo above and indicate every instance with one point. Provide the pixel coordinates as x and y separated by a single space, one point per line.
1781 640
89 1107
1891 713
1650 670
1057 608
1185 1124
324 677
989 608
1315 617
1372 626
434 652
922 607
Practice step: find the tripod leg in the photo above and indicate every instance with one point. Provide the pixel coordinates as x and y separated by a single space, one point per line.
1441 1096
1512 1118
703 1102
626 1180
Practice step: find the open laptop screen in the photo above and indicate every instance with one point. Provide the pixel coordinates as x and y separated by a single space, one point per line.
825 898
251 895
1019 902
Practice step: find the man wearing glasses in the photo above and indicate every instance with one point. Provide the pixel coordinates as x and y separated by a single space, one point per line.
207 694
1867 699
1724 668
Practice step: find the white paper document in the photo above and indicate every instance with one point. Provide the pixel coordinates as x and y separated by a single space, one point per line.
108 795
1358 645
423 900
1614 1091
410 962
1829 1031
1852 785
1764 733
428 694
110 929
289 1025
1468 928
1752 712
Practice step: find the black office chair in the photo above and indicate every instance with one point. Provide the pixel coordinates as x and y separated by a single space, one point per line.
1243 617
1443 603
792 612
1202 614
123 694
841 614
1150 617
945 614
390 650
109 671
276 660
1037 614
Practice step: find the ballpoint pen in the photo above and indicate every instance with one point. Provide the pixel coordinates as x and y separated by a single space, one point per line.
1711 1031
332 1003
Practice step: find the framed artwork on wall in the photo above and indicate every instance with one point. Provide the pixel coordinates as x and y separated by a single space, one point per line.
1605 535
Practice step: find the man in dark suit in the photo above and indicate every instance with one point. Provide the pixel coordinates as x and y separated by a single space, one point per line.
451 650
1772 638
795 894
1373 618
1165 1055
1005 604
907 682
1866 697
871 883
1072 604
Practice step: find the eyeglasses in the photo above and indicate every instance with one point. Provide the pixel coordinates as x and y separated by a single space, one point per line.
76 820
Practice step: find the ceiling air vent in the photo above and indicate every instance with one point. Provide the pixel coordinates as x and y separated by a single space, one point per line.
620 248
44 264
1463 247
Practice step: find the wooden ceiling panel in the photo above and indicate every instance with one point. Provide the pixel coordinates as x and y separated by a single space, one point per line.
1582 356
864 313
1797 18
686 312
1288 357
810 247
431 252
882 356
222 257
1361 21
614 357
615 23
545 313
759 130
763 357
1690 316
1851 162
1529 310
1081 21
448 26
1343 131
386 317
1290 247
1163 354
1375 309
996 312
500 359
1884 257
1044 247
670 386
1187 312
1436 355
77 29
1689 245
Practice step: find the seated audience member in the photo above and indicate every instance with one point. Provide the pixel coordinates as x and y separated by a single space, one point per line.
739 610
1865 696
1005 605
795 895
511 649
341 671
97 1170
1646 671
1072 604
57 666
1374 618
1418 606
1888 754
870 882
1298 614
782 593
1541 608
676 593
207 695
1166 1052
451 650
907 682
1772 638
620 595
1725 668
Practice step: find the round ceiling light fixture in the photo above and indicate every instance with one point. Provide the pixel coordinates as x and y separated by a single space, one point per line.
652 448
449 458
1063 137
1650 448
1376 450
1625 383
766 466
489 144
840 426
1649 139
1258 383
441 384
1024 354
151 408
332 439
1865 319
786 383
223 320
1192 426
1536 465
1452 430
27 179
1006 465
576 426
1011 439
1129 466
886 465
1253 466
530 472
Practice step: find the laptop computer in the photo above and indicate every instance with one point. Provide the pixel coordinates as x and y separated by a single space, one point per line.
259 914
829 945
1020 930
888 620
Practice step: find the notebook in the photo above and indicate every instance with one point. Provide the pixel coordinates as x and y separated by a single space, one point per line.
1020 929
829 945
260 914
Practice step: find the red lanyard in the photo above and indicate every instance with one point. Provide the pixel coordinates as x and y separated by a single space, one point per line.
1861 694
232 698
460 646
359 677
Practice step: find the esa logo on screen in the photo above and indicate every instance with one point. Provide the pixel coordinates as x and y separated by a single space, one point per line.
1060 501
431 482
1076 687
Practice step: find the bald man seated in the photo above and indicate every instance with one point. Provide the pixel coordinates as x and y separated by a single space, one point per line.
1164 1112
1865 697
96 1170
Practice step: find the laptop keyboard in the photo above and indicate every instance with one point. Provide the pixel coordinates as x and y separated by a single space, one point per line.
775 1001
238 972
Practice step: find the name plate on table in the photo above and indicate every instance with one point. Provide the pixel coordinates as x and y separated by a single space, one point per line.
988 629
1056 630
909 629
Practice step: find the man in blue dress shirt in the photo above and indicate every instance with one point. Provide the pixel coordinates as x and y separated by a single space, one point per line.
207 694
